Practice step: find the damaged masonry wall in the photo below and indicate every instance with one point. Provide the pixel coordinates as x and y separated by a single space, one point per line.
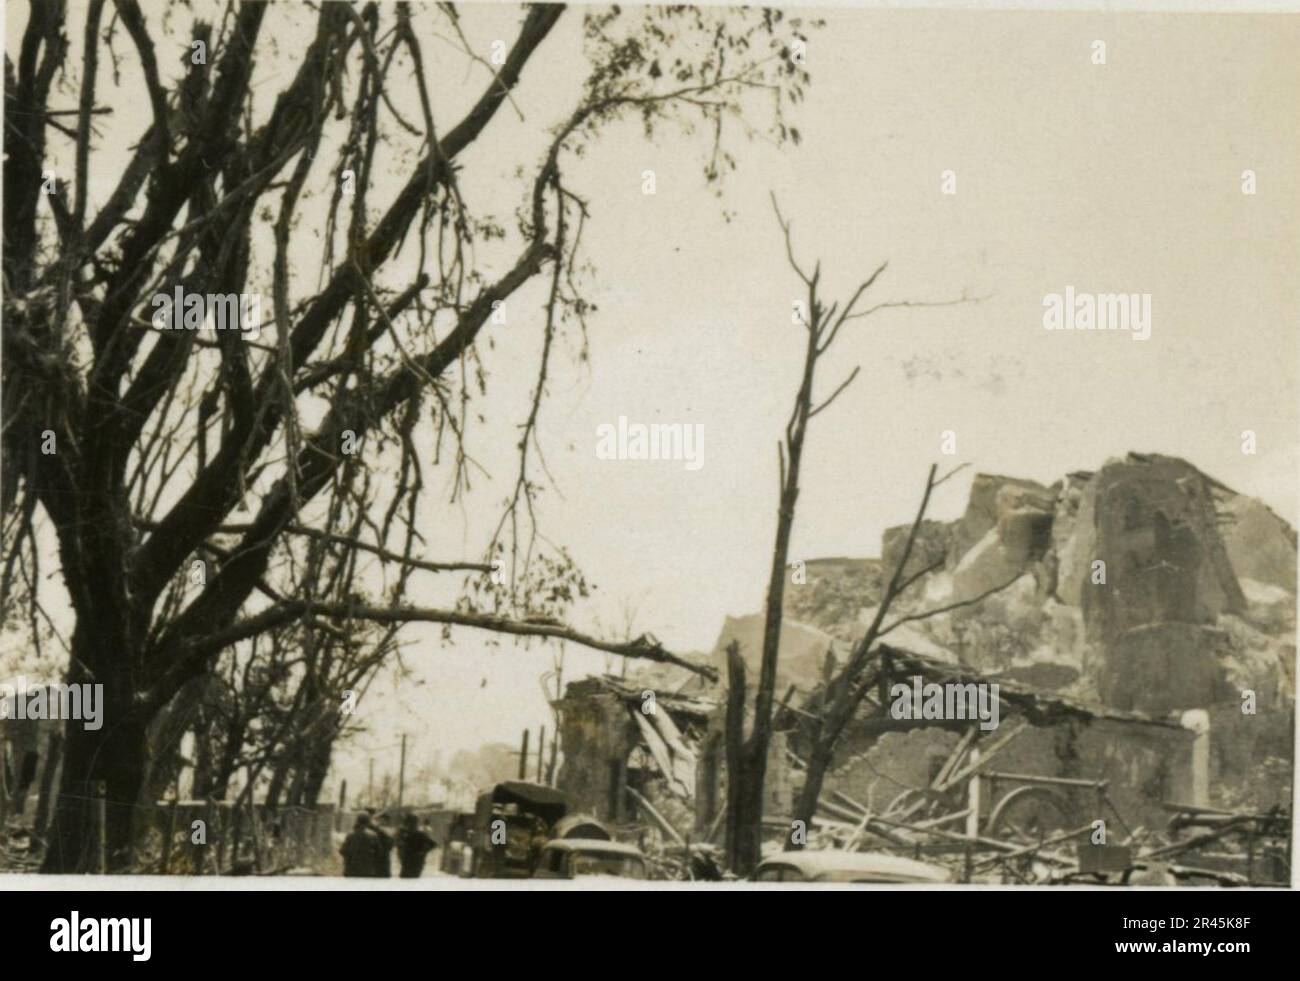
1145 761
1195 607
1146 587
611 744
1143 765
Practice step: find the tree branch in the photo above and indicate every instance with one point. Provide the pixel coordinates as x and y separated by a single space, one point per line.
926 614
193 656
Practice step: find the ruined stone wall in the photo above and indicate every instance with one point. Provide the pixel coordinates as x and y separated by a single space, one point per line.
596 738
1250 757
898 761
1145 765
1145 586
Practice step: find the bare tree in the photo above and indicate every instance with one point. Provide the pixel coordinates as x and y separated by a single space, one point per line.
747 757
138 449
278 703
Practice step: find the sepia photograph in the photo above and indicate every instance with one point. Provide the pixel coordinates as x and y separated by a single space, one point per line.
845 447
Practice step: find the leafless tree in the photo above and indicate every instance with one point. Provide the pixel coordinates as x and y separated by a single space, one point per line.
747 756
142 452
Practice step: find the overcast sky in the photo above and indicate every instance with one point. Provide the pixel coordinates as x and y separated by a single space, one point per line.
1123 177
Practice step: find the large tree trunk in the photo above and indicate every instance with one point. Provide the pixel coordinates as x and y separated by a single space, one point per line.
279 777
318 750
115 755
744 838
201 785
747 849
747 759
293 796
232 742
317 768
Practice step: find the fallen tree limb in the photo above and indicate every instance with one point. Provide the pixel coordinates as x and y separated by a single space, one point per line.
195 653
848 814
870 827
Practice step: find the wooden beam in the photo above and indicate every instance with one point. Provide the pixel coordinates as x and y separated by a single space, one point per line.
658 818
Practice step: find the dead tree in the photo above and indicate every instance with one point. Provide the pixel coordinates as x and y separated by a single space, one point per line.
178 471
747 757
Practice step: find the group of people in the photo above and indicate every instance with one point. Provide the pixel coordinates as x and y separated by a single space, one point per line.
367 850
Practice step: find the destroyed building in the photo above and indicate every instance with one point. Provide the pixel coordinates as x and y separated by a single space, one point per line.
631 747
1146 646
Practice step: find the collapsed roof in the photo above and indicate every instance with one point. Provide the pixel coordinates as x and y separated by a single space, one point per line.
1039 708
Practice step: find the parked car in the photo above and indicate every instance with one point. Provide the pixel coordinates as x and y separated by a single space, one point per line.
839 866
573 858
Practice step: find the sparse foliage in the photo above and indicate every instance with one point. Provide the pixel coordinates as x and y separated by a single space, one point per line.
328 176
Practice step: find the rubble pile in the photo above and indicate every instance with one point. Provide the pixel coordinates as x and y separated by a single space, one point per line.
1141 638
1143 586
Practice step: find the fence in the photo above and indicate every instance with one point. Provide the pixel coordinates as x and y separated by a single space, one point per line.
194 837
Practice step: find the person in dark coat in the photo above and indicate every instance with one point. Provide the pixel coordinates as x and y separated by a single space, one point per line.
364 853
385 862
413 846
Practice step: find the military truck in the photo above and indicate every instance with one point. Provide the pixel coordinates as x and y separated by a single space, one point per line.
512 822
523 830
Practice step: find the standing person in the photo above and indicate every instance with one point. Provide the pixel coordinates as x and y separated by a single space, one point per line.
385 869
363 851
413 845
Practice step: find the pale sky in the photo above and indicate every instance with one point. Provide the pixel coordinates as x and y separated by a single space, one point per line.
1123 177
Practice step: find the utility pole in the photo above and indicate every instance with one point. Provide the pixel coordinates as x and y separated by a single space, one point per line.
559 674
555 739
370 785
973 789
401 772
523 758
541 751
